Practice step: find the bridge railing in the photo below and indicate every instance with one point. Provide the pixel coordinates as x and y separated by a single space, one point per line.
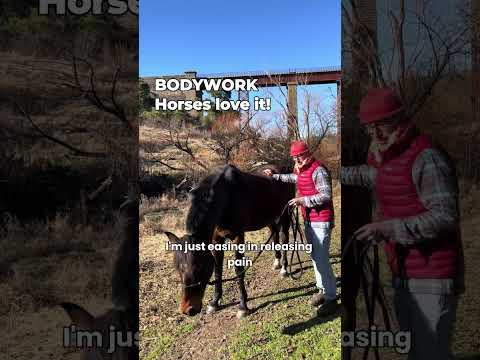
324 69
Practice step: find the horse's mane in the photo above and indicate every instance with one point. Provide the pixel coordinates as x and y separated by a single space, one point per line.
258 169
203 200
209 198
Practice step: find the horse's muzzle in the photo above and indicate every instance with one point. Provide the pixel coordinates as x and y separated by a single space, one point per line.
191 311
190 308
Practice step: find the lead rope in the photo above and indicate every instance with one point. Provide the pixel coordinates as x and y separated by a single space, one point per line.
294 220
364 264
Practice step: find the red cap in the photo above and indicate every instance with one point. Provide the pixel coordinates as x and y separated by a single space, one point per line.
298 148
379 104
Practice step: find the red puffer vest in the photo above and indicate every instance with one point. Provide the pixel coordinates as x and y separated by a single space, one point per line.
306 187
398 198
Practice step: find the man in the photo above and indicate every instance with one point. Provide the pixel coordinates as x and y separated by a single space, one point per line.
416 194
315 190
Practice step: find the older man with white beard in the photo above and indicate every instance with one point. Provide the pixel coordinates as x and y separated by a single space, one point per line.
415 189
314 188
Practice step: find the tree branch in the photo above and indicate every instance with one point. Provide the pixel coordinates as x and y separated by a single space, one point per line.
57 141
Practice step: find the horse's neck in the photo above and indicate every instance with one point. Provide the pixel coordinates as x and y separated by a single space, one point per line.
285 187
205 236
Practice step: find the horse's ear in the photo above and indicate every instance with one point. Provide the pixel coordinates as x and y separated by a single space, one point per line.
172 237
79 316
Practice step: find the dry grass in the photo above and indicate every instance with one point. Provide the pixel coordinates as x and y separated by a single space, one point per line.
52 262
59 235
155 144
162 213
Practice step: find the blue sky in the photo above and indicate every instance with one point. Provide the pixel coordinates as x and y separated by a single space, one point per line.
217 36
214 36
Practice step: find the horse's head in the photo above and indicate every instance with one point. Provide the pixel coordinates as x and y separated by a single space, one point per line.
195 268
103 337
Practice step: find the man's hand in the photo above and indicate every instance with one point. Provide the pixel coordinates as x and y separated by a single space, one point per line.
374 231
296 201
268 172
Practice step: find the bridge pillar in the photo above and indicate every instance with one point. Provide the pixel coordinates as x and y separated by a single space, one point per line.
339 117
192 94
292 116
243 95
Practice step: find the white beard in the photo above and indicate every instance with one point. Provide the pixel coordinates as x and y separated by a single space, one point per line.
298 167
377 149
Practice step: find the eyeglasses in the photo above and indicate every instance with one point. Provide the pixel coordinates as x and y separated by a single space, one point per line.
383 126
299 158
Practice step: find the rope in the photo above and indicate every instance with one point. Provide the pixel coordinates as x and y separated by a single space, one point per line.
294 220
376 295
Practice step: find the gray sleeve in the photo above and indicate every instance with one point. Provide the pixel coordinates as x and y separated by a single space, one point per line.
289 178
361 175
323 184
436 186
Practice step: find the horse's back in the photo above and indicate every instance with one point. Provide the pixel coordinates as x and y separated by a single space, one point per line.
254 201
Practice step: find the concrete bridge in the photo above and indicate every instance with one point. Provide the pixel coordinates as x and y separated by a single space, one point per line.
290 78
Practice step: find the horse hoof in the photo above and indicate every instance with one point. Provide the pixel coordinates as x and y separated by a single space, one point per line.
211 309
241 314
276 265
283 273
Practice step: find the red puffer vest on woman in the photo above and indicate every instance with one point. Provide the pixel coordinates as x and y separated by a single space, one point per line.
398 198
306 187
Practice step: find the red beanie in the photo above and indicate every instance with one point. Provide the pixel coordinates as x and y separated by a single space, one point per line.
298 148
379 104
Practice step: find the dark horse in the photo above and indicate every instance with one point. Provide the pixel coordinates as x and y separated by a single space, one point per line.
225 205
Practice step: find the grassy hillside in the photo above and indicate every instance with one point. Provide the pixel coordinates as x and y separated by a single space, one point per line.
282 324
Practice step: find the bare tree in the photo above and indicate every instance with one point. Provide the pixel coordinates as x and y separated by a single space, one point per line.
180 138
315 122
76 78
414 66
229 132
101 132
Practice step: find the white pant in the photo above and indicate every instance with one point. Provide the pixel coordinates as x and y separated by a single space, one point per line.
430 319
318 234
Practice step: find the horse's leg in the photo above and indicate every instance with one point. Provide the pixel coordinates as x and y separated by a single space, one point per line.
217 295
278 255
239 271
284 235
